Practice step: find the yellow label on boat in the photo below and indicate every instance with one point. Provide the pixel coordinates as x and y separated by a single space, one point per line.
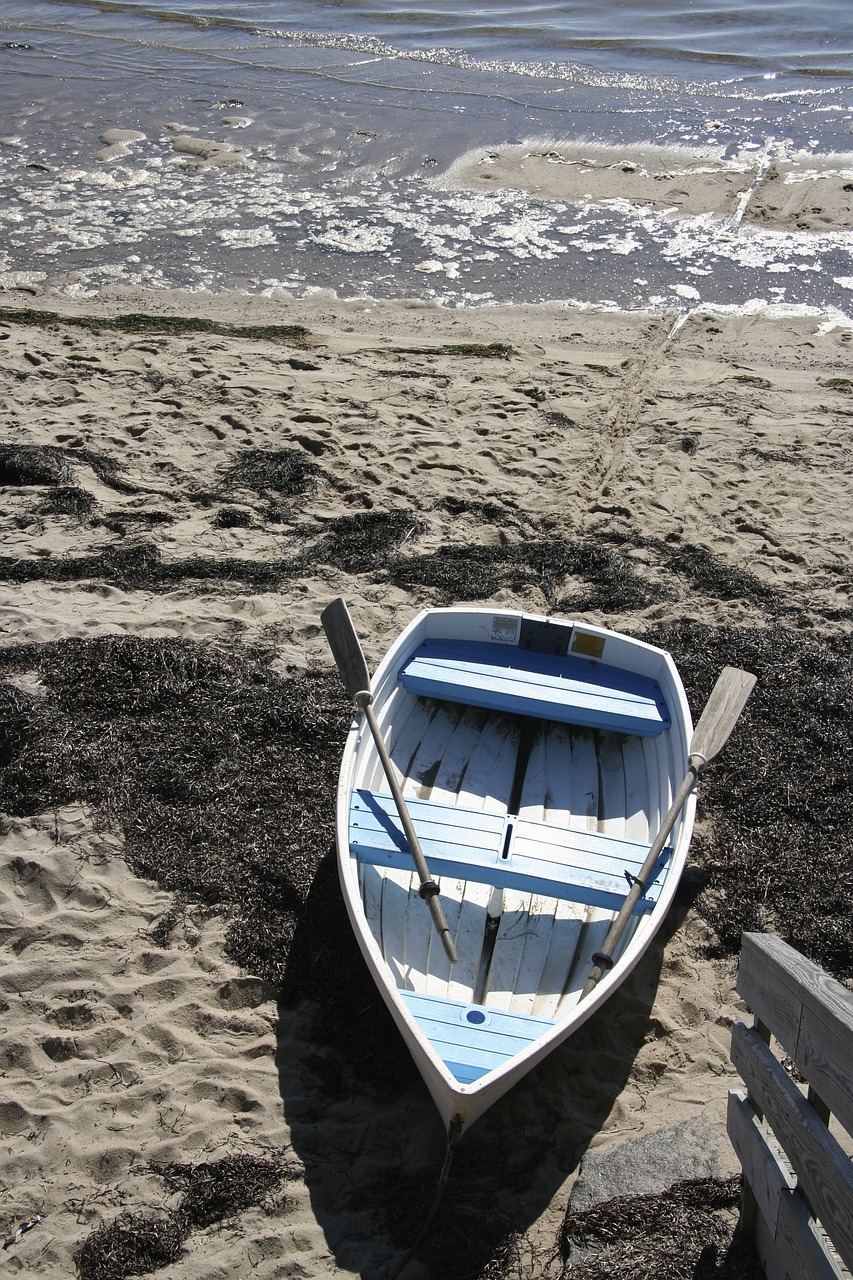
589 645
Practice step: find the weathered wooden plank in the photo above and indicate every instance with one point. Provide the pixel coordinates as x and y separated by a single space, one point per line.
486 786
593 933
798 1230
537 948
767 1178
768 1253
636 791
788 1225
515 925
584 782
808 1012
824 1173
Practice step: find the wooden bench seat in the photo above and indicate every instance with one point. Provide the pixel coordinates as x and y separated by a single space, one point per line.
567 688
501 850
470 1039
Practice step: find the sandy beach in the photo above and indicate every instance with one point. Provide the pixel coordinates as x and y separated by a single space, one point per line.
188 480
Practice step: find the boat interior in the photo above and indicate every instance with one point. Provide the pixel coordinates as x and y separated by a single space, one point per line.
525 929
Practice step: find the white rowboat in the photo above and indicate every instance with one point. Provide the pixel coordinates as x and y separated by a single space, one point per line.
538 760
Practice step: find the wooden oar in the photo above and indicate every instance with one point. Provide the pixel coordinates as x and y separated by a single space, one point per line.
347 653
722 712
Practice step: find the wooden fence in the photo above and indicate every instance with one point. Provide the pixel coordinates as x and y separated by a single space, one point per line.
798 1177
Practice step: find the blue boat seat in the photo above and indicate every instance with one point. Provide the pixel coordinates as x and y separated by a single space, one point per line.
470 1039
571 689
507 852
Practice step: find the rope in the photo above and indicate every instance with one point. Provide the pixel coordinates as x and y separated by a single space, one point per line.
453 1136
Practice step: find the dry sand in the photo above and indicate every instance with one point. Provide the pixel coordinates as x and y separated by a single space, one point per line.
732 434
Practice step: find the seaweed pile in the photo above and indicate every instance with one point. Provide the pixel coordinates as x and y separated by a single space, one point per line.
365 541
24 465
779 797
171 326
477 572
264 471
135 1243
684 1233
217 771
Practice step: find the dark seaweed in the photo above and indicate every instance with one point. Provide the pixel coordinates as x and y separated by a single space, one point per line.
266 471
685 1233
217 771
174 326
135 1244
779 797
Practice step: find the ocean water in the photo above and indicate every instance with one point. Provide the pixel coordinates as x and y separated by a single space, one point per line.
466 154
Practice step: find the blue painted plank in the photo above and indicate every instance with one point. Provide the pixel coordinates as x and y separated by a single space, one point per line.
471 1049
443 830
570 689
465 1074
582 866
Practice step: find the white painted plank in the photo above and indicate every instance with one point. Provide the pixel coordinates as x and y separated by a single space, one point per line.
406 732
557 796
396 891
584 782
370 880
458 900
532 798
540 925
487 784
405 920
424 764
460 747
656 802
592 937
509 949
551 791
636 791
484 786
611 771
470 932
562 945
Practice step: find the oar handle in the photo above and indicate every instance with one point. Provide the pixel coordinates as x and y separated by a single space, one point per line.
428 887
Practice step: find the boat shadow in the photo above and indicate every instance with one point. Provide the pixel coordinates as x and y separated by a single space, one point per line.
369 1139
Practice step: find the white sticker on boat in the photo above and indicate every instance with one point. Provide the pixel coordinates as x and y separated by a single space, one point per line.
505 629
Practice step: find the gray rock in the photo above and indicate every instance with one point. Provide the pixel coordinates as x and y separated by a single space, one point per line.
648 1164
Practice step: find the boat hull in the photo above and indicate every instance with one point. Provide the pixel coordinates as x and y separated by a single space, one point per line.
538 759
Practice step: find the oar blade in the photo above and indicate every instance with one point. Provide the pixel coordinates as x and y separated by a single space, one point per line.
346 650
722 712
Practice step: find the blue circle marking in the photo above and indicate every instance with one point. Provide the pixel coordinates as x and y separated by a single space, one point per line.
475 1015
